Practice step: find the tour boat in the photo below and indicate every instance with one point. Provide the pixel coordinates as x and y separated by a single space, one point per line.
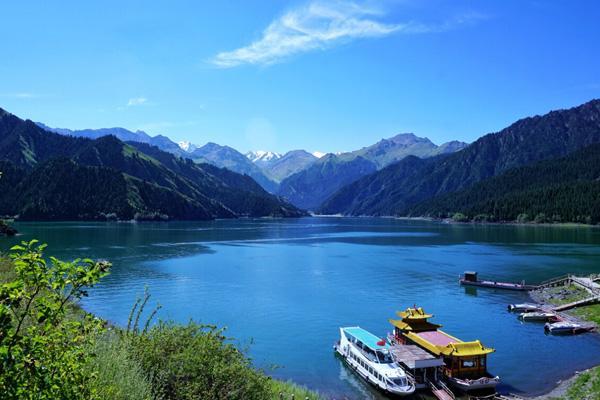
566 328
539 316
524 307
369 356
465 362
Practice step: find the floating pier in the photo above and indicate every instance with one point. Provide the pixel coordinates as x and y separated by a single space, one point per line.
469 278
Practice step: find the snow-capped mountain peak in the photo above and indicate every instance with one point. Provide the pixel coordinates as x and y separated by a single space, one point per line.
187 146
318 154
262 156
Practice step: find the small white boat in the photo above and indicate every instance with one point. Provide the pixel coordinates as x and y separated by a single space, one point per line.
566 328
369 356
485 382
539 316
524 307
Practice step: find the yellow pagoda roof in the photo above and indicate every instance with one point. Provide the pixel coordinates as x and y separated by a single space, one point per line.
416 326
454 347
413 313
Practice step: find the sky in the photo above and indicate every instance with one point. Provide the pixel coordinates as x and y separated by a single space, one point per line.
318 75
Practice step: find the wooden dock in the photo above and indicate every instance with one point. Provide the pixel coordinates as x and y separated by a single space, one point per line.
587 283
579 303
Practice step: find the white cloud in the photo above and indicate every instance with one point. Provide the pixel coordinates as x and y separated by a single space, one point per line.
315 26
320 25
21 95
137 101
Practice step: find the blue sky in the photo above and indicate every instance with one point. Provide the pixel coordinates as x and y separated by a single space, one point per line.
319 75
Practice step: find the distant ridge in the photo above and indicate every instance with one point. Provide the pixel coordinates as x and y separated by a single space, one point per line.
564 189
395 189
310 187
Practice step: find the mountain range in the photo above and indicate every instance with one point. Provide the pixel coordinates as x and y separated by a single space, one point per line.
309 187
64 177
408 186
305 179
541 167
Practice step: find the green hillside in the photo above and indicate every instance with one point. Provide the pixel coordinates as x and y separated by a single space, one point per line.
49 176
563 189
400 186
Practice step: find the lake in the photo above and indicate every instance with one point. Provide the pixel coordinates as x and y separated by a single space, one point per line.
283 287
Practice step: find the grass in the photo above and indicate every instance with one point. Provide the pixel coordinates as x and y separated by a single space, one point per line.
289 390
560 295
589 313
557 296
585 387
119 376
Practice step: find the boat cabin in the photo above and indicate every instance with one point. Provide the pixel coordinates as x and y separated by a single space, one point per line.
463 361
470 276
422 365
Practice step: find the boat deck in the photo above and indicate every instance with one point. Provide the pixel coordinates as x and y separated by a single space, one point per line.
414 357
437 338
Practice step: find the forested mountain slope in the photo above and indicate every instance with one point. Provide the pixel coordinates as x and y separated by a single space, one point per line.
398 187
49 176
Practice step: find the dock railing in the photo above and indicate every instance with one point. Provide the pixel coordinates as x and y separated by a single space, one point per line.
554 281
439 386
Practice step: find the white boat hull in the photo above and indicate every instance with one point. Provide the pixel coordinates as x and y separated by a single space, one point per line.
372 373
474 384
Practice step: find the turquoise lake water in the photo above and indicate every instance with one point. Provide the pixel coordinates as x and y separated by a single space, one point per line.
284 287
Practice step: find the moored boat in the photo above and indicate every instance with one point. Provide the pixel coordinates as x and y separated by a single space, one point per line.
465 362
566 328
469 278
539 316
370 357
524 307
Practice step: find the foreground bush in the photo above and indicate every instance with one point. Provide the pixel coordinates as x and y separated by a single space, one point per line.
117 375
196 362
42 351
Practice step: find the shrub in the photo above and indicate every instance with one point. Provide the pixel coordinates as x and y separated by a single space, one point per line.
483 218
523 218
540 218
193 361
42 351
459 217
118 376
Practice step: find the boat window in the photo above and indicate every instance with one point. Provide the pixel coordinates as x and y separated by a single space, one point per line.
468 363
400 381
482 361
384 357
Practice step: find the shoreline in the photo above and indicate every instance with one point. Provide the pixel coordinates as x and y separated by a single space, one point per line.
561 388
562 385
